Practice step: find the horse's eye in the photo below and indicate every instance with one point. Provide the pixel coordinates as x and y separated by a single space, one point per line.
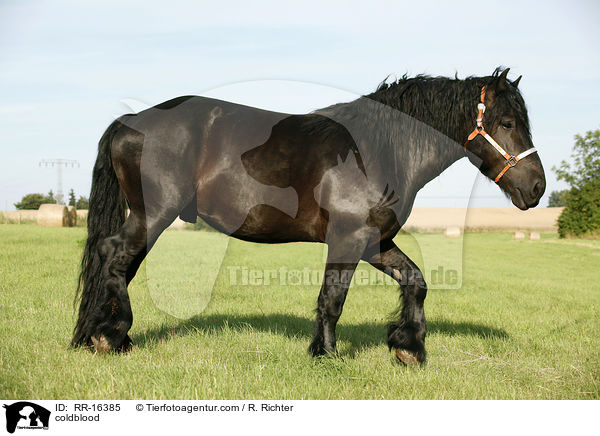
508 125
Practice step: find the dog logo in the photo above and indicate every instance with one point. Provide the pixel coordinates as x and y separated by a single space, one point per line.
26 415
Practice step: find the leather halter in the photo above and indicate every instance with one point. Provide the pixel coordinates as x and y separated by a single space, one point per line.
511 160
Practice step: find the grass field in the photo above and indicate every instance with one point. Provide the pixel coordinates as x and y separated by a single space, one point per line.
524 325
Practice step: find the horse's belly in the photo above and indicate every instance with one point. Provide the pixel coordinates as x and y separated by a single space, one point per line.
238 205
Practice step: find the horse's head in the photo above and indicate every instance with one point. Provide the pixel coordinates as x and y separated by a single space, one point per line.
502 141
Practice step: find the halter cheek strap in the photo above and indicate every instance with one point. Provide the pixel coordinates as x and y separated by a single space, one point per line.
479 130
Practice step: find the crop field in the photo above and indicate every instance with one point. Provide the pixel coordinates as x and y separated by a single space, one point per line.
216 318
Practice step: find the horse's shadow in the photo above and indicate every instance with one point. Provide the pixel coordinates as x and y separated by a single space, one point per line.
360 336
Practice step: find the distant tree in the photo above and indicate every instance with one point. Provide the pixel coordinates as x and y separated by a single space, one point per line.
72 199
200 224
82 203
558 198
586 165
33 201
581 215
50 197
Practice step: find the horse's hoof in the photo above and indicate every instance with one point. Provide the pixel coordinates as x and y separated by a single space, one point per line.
126 345
317 349
101 344
407 358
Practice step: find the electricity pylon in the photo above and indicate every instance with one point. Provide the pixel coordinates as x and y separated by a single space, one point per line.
59 164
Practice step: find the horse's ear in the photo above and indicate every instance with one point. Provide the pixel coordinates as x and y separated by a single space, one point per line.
516 82
500 84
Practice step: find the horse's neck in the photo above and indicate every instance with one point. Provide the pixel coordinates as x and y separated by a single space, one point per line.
407 152
430 155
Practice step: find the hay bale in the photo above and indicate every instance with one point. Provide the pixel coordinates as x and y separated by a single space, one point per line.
178 224
18 216
534 236
519 235
72 216
452 232
53 215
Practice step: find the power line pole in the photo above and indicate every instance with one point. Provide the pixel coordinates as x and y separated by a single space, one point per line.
59 164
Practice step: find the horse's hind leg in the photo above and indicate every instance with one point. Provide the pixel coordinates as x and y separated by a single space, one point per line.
112 315
121 255
406 335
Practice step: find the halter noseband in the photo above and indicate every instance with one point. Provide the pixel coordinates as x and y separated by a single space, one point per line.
511 160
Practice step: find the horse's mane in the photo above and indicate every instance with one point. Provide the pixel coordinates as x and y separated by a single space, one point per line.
433 109
457 99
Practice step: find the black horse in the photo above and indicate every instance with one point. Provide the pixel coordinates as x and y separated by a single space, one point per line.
346 175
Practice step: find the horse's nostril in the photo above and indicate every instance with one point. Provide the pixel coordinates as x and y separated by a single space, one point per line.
538 189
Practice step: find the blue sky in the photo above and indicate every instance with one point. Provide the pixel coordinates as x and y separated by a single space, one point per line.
67 67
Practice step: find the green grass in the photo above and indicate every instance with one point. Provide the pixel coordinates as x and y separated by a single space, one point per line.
524 325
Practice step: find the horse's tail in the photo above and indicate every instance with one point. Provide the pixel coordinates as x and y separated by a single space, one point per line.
106 215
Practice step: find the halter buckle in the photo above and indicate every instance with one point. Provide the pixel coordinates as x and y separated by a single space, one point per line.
512 161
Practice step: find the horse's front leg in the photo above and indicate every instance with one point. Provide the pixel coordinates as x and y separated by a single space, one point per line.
330 304
406 335
343 255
